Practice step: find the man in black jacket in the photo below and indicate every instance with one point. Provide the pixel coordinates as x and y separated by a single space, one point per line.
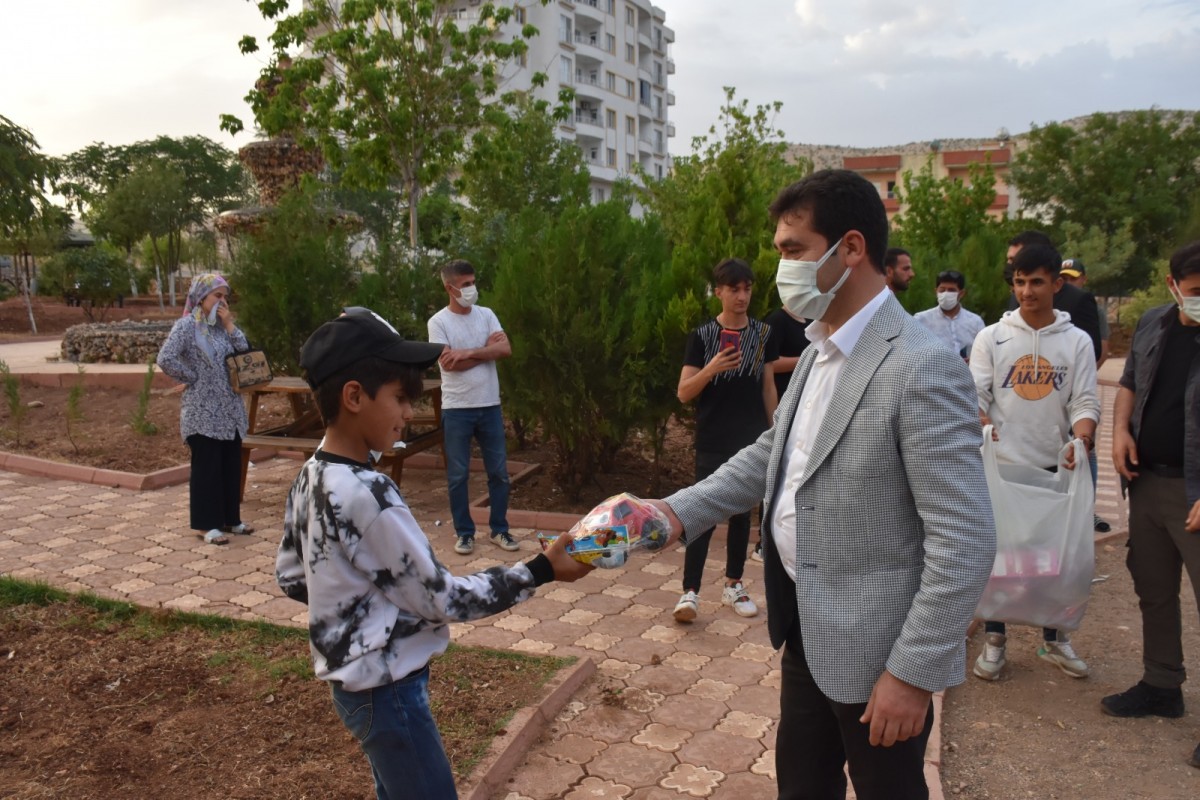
1079 303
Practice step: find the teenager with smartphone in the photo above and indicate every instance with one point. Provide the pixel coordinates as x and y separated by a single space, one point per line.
728 370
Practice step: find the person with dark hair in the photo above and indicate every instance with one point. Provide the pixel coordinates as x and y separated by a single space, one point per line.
1156 450
212 416
471 403
954 325
727 370
897 265
1080 304
379 602
1036 379
878 536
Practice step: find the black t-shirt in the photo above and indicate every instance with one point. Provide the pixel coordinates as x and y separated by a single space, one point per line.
789 331
1160 440
729 411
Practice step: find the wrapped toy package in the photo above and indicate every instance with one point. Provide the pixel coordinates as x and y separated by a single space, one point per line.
612 529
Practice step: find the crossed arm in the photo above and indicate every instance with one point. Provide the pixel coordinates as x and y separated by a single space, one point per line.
496 348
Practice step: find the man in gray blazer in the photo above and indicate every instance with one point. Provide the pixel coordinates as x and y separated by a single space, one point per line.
878 537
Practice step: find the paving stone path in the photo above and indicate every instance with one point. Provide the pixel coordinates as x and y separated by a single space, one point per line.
674 711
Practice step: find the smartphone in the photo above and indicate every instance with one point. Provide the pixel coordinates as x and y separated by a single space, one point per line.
728 339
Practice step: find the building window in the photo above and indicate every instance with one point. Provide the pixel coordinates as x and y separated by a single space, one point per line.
564 29
891 190
630 16
612 157
564 69
599 195
658 73
611 81
610 117
631 126
658 173
610 43
658 106
629 88
630 53
644 96
519 15
658 39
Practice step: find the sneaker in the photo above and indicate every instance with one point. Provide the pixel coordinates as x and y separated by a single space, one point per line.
505 541
757 552
465 545
736 597
1099 525
991 661
1062 655
686 608
1144 700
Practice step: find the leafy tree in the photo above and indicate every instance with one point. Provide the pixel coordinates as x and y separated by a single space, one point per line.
1135 171
573 297
387 89
24 209
96 276
1107 256
714 204
945 225
290 277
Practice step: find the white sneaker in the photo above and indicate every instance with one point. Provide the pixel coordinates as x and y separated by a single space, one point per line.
991 661
687 607
736 596
1062 655
756 553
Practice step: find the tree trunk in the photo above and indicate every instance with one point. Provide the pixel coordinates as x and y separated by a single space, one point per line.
25 293
414 197
158 273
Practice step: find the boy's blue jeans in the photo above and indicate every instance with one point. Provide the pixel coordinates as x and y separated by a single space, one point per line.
459 426
395 728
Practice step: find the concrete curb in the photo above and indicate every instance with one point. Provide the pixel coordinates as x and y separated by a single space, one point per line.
509 748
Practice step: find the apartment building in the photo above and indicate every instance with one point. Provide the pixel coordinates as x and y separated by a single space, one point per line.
615 55
885 166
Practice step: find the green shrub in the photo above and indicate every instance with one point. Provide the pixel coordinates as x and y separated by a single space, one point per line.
139 421
74 414
12 396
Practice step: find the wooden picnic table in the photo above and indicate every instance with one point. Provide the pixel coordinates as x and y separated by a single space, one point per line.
303 433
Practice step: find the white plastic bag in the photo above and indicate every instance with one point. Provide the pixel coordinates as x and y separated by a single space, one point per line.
1045 546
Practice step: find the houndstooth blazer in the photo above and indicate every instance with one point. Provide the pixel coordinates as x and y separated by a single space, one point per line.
895 538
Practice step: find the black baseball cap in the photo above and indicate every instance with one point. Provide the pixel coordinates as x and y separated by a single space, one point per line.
357 334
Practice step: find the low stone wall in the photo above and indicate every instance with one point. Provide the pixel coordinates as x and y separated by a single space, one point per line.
125 342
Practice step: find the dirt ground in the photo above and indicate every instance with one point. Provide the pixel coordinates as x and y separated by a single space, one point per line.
54 317
1040 733
98 706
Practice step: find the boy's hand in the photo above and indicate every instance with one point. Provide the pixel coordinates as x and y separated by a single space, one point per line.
725 360
1125 458
1193 519
566 568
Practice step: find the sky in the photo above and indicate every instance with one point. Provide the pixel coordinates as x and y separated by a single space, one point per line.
849 72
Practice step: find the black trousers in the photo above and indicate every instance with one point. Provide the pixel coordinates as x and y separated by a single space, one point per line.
215 483
818 737
736 541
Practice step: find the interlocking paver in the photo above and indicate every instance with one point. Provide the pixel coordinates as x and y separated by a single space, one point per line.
676 711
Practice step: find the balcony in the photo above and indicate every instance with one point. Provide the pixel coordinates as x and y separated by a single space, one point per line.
670 66
587 84
670 98
645 145
585 39
671 129
588 122
592 9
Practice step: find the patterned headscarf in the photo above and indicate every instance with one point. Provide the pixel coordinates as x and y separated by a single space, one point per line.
202 287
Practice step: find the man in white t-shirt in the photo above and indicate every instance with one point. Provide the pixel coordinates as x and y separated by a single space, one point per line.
471 403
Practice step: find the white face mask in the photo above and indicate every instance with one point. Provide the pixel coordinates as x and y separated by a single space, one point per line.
212 313
468 296
1189 305
947 301
797 285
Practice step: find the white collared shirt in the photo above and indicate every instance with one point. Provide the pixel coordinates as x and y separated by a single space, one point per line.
833 351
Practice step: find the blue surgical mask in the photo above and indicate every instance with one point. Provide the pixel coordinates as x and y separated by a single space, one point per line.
797 285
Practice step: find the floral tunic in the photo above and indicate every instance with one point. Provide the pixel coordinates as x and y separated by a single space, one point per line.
210 405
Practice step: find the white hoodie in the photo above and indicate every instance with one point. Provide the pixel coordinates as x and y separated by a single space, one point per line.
1034 385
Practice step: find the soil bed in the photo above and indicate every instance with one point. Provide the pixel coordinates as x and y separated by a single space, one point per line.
110 704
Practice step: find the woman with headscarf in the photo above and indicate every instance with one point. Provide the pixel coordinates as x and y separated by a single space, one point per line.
212 416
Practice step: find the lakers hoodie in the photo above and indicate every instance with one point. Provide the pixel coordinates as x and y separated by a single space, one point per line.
1034 385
